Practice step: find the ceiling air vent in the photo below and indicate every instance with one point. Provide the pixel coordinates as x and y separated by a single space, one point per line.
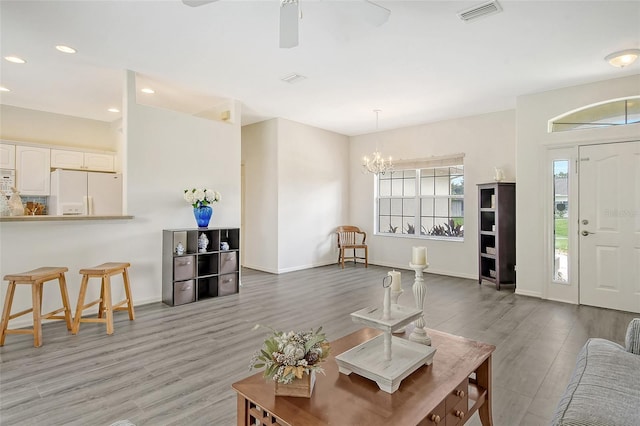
484 9
293 78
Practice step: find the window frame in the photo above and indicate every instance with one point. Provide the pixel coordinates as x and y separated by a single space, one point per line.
417 168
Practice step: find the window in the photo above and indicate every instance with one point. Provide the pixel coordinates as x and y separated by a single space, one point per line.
561 221
611 113
422 201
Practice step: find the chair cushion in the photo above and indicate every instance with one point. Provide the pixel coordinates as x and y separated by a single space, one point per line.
604 388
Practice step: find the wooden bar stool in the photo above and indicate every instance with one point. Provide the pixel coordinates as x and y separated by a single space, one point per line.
36 278
106 308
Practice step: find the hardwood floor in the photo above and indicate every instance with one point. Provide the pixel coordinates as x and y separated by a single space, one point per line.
175 365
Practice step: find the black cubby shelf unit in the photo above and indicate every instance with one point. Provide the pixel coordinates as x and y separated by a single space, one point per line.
497 233
195 274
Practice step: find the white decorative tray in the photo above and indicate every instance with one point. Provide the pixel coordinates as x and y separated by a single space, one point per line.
372 317
367 360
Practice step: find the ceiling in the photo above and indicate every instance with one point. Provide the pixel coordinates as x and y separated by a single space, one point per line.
424 65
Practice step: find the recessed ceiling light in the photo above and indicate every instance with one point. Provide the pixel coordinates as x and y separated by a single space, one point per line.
15 59
148 91
65 49
4 89
113 110
623 58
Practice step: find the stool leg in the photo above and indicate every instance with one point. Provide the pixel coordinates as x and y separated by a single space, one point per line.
36 296
83 292
101 305
6 313
127 291
65 300
108 306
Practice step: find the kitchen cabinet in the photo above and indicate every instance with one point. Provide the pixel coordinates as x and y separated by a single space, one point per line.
497 233
79 160
7 156
195 273
33 170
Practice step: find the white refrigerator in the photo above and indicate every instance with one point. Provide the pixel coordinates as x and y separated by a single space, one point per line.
75 192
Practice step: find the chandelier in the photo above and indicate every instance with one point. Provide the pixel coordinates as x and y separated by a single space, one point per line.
376 164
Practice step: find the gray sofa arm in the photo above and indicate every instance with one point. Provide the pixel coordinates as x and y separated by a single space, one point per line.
632 340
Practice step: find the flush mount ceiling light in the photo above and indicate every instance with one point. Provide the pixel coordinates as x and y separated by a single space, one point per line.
65 49
15 59
623 58
148 91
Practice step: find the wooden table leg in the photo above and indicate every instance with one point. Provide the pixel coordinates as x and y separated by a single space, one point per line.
483 376
243 405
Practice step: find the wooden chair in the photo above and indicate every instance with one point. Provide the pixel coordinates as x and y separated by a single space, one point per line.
348 238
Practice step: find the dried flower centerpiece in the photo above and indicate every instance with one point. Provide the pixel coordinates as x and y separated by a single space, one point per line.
291 359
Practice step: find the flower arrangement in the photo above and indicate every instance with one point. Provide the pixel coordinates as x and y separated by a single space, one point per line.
198 197
288 355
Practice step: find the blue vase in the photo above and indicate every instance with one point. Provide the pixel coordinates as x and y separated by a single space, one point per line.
203 215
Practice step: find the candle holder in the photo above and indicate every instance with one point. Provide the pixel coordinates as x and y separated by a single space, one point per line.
419 334
394 301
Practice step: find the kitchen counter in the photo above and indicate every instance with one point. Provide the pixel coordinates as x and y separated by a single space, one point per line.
46 218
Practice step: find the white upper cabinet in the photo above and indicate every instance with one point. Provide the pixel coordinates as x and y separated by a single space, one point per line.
78 160
99 162
33 170
7 156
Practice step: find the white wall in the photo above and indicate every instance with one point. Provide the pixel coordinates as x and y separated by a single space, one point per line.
166 153
296 194
487 140
313 194
260 227
26 125
534 112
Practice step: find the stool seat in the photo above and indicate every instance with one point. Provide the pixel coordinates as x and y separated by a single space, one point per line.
35 278
45 273
104 302
106 268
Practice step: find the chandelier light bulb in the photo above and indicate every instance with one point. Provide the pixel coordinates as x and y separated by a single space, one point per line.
377 164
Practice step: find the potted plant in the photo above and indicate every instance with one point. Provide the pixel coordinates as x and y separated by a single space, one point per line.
291 359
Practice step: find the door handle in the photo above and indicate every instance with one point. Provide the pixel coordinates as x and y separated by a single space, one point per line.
585 233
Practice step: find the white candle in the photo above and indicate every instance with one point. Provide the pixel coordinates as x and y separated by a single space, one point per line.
396 280
419 256
386 304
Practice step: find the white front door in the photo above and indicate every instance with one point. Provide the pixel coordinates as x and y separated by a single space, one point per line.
609 225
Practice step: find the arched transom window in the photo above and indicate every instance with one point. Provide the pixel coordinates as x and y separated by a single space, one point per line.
617 112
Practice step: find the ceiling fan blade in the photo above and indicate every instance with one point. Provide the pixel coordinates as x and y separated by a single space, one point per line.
289 14
195 3
376 14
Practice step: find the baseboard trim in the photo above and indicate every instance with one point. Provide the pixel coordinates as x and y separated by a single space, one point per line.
521 292
27 321
428 270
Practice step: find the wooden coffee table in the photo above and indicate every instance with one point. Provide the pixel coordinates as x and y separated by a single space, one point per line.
448 392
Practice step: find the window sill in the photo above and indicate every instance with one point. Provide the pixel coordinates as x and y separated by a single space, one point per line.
420 237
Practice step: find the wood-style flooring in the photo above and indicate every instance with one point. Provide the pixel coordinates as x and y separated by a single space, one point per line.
175 365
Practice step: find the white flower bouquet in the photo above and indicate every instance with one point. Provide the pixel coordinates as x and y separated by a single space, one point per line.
199 197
